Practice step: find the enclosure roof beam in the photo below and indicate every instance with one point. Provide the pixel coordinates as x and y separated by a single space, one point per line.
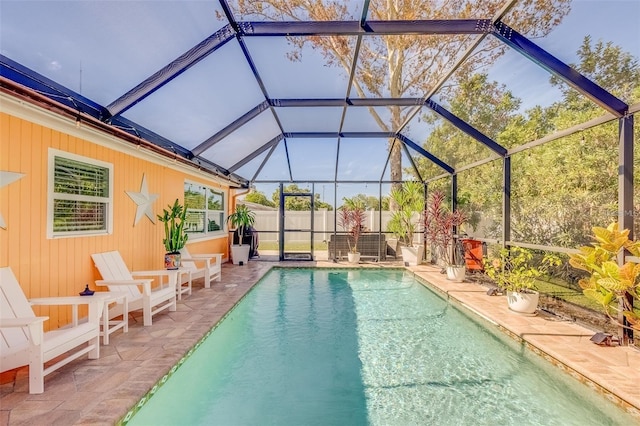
413 163
352 74
326 181
572 77
352 28
146 134
447 168
286 152
205 164
256 153
467 128
386 163
228 13
266 159
365 12
235 125
338 102
172 70
245 51
317 135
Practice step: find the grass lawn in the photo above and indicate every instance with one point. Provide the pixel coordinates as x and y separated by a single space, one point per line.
570 295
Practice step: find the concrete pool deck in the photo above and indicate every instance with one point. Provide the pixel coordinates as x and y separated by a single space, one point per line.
100 392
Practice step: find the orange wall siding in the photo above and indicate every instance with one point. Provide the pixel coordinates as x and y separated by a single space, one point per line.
63 266
214 246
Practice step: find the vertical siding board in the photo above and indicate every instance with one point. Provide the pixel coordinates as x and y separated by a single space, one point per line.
19 199
157 180
43 180
9 137
37 198
122 232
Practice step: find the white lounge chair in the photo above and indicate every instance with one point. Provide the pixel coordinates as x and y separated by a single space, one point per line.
117 277
207 269
24 342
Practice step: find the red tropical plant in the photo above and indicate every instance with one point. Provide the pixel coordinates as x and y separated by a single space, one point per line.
351 218
439 226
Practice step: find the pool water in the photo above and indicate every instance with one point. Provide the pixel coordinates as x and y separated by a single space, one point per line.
365 347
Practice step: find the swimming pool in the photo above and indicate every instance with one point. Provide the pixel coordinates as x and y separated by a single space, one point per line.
357 347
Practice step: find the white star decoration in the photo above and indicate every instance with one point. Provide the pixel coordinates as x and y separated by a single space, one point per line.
5 179
143 200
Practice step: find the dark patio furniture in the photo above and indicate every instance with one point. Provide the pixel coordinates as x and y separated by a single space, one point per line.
369 246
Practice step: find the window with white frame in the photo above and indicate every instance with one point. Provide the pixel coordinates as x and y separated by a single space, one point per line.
205 210
80 196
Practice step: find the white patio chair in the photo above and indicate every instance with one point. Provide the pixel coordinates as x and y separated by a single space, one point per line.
207 269
184 282
117 277
23 339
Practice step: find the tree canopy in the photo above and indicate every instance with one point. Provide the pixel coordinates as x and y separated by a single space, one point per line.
259 198
297 203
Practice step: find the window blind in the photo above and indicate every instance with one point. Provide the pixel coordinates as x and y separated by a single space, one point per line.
81 196
70 216
75 177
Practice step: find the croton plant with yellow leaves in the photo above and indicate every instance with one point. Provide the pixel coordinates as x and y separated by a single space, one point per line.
609 282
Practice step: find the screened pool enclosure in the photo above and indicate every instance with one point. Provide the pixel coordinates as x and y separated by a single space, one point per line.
522 111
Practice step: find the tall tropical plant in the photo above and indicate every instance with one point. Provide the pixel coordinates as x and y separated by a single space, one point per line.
242 219
175 235
610 283
409 200
351 218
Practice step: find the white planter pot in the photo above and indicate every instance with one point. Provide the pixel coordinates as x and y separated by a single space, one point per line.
412 256
523 303
353 257
456 273
240 254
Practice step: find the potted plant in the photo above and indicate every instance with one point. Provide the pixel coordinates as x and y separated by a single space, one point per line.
352 219
409 199
241 220
175 234
610 283
514 270
440 223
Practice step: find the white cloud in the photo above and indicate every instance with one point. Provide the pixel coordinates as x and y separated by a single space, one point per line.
54 66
